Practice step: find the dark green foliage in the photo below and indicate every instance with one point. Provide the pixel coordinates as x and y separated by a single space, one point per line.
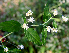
44 36
33 36
10 26
24 18
46 13
54 24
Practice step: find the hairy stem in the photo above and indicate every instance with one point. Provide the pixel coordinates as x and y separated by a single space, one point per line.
6 35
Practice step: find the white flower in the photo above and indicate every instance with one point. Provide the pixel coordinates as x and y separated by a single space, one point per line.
64 18
6 49
25 26
48 28
29 13
55 12
20 47
31 19
54 29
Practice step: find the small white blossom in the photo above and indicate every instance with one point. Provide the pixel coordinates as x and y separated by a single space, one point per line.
29 13
20 47
64 18
55 12
48 28
54 29
6 49
25 26
31 19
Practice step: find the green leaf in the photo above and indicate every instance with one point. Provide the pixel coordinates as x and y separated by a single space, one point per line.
32 36
10 26
44 36
54 24
46 14
56 19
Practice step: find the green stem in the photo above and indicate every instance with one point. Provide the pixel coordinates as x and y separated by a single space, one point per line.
48 20
6 35
34 25
2 44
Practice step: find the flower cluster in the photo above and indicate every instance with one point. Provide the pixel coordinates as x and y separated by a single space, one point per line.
29 13
20 47
48 28
64 18
51 29
25 26
31 19
55 12
6 49
54 29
